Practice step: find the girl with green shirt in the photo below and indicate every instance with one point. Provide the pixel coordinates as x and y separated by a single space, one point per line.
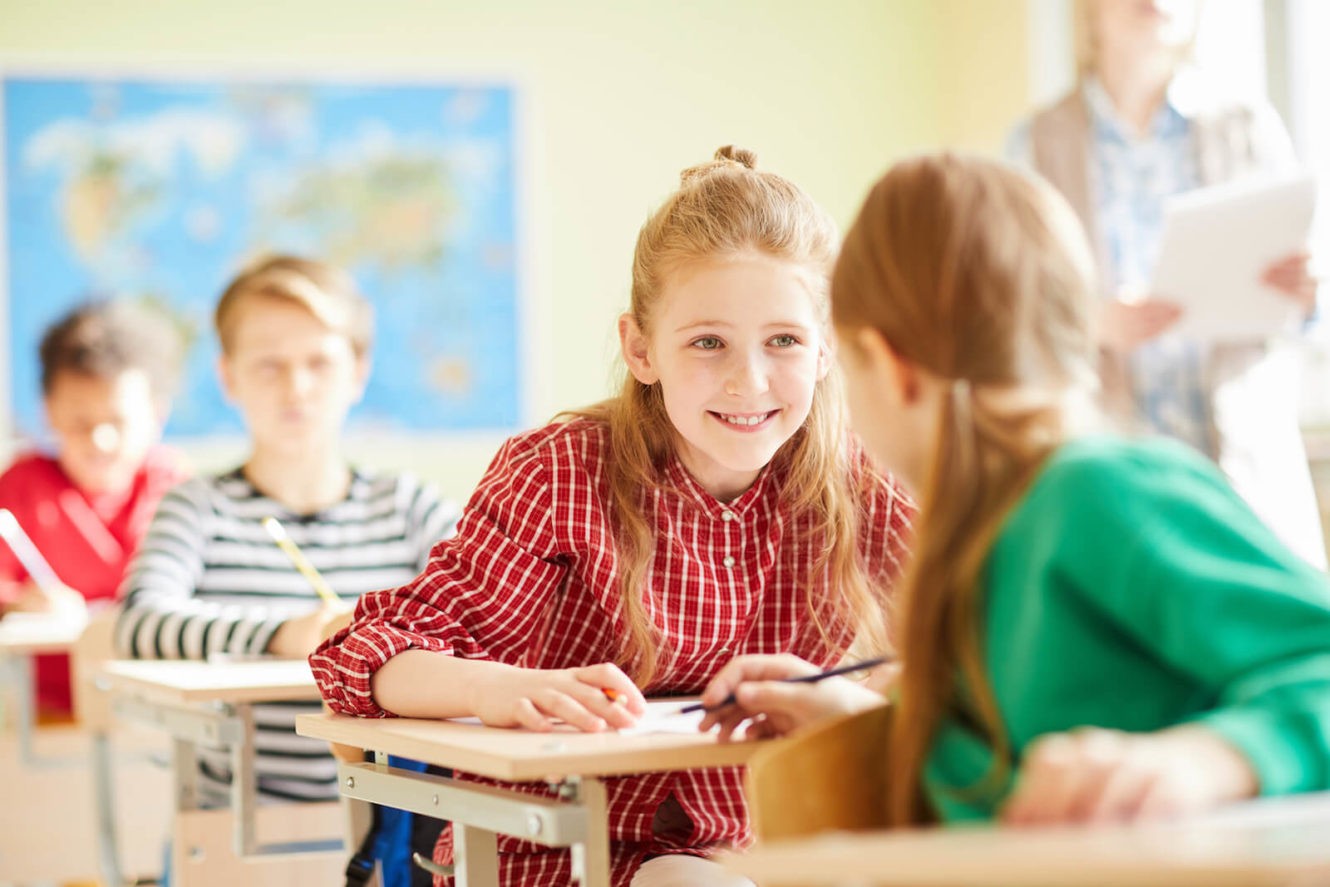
1094 628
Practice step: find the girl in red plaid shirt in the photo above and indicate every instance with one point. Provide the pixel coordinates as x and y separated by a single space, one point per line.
715 507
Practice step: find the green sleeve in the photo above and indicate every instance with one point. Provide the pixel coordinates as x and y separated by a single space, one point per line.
1203 585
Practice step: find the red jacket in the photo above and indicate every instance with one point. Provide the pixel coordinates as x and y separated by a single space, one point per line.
88 540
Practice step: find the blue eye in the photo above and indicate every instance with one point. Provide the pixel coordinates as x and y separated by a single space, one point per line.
707 343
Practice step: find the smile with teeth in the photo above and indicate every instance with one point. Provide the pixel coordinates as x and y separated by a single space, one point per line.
745 421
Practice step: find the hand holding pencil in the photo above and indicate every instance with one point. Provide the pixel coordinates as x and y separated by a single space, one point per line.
780 693
299 636
44 592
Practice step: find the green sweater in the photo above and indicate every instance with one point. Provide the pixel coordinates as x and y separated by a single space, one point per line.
1132 589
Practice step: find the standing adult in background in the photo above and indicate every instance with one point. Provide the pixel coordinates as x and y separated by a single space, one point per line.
1139 127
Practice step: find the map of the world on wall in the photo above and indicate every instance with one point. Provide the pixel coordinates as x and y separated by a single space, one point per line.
160 191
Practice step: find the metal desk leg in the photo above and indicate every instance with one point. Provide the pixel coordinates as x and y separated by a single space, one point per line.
244 784
591 858
103 786
25 705
184 765
25 716
475 857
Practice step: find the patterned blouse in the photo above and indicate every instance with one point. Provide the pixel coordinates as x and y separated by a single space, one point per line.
532 579
1132 178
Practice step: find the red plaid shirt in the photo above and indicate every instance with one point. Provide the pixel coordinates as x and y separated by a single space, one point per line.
531 579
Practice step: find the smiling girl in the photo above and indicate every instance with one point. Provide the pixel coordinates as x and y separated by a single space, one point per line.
715 507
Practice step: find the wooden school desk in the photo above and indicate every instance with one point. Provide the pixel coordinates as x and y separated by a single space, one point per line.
571 761
1283 842
212 702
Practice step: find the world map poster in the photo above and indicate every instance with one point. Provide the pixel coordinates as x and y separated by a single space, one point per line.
159 190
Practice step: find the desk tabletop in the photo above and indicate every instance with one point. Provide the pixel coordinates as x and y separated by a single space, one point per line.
190 681
521 755
1282 841
22 634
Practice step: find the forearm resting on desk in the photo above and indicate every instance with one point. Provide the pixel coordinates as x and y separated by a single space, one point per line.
421 684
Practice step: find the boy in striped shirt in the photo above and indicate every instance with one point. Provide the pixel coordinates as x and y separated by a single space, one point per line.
208 580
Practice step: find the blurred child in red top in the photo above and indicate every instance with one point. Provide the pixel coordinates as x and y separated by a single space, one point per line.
107 373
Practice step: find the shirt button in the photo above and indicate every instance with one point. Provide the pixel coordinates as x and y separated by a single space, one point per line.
727 515
729 561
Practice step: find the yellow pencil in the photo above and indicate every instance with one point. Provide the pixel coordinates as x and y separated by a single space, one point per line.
278 534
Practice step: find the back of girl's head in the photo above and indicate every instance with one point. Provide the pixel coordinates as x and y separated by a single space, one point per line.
325 291
974 271
981 276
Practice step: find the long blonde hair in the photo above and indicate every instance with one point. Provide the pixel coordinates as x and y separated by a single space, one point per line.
980 275
723 208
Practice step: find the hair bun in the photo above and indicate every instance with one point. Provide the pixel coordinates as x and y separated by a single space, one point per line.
726 157
737 155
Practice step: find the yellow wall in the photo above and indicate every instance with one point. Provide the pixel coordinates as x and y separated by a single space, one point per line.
982 70
621 94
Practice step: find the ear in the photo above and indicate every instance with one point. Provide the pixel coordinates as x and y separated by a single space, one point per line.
362 370
636 350
892 374
826 356
226 378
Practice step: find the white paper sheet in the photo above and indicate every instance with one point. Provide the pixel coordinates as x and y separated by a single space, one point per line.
1216 244
663 716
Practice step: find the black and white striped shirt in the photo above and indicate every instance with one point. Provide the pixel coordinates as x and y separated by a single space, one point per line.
208 580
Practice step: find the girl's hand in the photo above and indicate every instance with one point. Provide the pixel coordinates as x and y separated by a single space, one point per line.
1092 775
776 707
580 697
1292 279
1124 325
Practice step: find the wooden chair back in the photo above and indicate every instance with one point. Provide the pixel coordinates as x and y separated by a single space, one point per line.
830 777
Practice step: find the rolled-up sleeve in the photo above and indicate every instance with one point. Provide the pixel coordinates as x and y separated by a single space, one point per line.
484 593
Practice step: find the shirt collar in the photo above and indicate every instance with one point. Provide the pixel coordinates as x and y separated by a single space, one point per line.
680 478
1180 100
239 487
